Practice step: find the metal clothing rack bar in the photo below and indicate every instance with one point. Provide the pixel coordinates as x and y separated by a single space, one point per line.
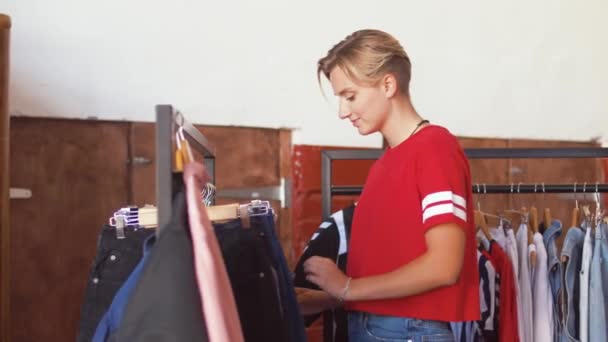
505 189
328 190
168 120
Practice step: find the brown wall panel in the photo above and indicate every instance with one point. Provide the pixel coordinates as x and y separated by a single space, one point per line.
246 157
77 173
5 26
142 146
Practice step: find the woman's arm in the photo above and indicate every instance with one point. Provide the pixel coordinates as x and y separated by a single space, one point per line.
439 266
314 301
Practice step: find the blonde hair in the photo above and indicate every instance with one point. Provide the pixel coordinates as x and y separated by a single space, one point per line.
366 56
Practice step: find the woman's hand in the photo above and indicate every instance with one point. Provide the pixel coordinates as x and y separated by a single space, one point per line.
325 273
314 301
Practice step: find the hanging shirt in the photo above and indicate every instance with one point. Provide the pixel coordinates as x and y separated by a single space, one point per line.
498 234
423 182
514 257
218 303
487 297
525 286
329 241
543 301
495 296
508 319
584 300
166 304
110 322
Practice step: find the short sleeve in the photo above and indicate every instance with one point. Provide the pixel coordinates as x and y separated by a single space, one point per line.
443 183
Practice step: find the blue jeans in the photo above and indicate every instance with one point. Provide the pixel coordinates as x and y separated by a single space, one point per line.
365 327
555 275
598 287
297 332
573 250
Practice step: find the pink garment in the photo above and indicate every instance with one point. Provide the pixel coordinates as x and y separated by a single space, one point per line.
221 317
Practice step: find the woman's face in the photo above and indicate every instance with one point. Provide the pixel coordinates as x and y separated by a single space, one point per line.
366 107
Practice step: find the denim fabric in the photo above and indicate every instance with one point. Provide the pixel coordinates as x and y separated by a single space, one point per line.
114 262
365 327
296 330
598 289
573 251
555 272
110 322
254 280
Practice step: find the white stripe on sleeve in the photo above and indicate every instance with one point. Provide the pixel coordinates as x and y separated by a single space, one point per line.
443 196
447 208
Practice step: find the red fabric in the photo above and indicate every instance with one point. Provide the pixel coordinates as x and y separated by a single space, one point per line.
423 182
219 306
507 312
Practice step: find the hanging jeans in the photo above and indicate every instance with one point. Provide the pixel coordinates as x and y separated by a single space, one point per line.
573 251
258 273
296 329
254 280
598 289
114 262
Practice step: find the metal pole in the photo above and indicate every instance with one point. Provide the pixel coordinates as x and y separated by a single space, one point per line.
164 164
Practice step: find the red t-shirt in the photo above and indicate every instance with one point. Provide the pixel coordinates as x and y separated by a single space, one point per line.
418 184
507 313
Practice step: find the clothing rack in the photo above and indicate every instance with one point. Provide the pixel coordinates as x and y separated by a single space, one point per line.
168 121
328 190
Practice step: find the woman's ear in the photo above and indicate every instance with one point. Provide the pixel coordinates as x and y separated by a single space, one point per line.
389 85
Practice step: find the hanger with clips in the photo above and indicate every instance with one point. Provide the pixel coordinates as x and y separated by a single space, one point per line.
599 213
534 214
547 212
146 217
575 216
480 220
516 217
585 208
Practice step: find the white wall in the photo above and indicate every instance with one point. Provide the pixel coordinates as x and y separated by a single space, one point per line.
476 64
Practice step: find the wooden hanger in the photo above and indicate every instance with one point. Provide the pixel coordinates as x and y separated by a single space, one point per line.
481 223
480 219
574 217
547 217
534 219
147 216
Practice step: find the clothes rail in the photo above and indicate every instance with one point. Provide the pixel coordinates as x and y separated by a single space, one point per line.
328 189
168 121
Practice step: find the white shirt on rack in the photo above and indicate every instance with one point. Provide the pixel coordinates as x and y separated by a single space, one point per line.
584 286
511 244
525 286
543 301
